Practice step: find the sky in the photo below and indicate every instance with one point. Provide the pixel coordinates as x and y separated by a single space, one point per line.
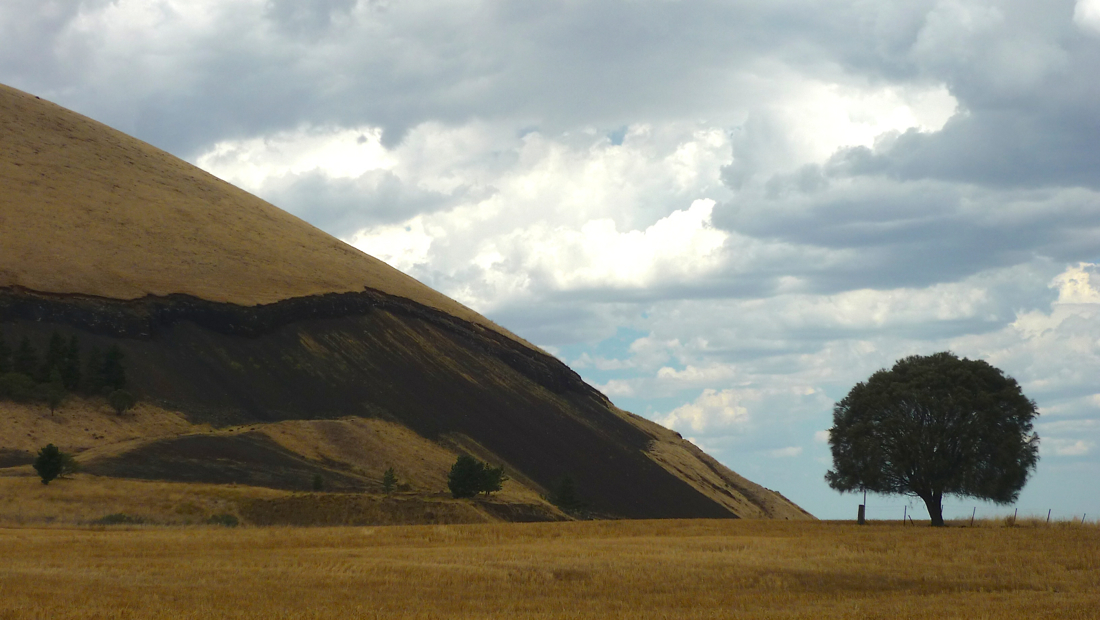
722 214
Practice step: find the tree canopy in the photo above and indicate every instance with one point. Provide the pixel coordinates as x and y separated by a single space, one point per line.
931 426
469 476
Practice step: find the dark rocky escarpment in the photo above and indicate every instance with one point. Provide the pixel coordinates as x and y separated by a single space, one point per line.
145 317
370 355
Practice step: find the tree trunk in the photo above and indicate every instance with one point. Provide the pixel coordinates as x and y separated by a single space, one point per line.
934 502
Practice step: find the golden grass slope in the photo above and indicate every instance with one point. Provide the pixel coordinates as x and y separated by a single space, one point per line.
636 570
86 209
685 460
92 431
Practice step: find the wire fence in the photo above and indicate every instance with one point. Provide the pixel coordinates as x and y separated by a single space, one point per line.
895 509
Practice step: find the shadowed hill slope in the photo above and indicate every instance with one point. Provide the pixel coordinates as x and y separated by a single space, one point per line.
231 312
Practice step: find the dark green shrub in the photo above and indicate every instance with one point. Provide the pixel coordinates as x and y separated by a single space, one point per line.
464 480
118 518
469 476
226 520
389 480
70 365
49 463
18 387
564 495
121 401
114 372
53 392
318 482
25 361
492 479
5 356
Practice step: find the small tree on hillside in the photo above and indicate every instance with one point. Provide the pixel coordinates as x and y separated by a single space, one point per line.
49 463
564 495
53 392
492 479
389 481
25 359
18 387
121 401
54 360
92 381
5 355
464 479
114 371
935 425
70 365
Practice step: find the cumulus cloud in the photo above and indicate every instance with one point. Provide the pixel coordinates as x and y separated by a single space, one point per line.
1086 14
712 412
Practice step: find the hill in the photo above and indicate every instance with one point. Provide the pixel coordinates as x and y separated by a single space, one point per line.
266 352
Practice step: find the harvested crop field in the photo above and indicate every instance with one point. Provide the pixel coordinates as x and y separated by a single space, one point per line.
609 569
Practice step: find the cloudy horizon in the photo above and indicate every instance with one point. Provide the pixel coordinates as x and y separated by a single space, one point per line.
721 214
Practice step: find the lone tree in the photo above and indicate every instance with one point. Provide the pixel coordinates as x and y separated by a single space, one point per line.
389 480
121 401
464 479
564 495
49 463
935 425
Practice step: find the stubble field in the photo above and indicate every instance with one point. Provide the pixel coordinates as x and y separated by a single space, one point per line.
623 569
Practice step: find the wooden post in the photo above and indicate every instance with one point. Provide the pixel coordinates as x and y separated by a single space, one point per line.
972 516
904 513
1014 513
1048 515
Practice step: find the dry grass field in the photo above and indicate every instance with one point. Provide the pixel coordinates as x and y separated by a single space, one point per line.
609 569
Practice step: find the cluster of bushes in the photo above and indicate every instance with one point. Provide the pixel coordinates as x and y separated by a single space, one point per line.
25 376
469 476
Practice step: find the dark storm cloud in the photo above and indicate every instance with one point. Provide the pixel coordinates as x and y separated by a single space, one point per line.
249 68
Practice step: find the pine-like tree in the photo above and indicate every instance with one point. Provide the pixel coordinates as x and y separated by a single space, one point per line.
25 359
389 480
92 382
464 479
5 355
70 367
53 391
55 358
49 463
114 372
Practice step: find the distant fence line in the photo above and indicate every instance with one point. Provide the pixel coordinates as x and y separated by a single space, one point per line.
893 509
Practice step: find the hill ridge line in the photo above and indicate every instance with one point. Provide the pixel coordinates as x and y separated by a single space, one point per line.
142 318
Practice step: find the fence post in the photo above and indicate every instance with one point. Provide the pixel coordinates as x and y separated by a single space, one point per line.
1048 514
904 513
972 516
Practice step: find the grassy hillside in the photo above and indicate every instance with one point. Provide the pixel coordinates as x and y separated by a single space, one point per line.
553 571
267 353
127 220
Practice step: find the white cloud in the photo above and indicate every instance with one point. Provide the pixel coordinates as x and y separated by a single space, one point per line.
1075 287
335 152
1068 447
712 412
785 453
1086 14
822 436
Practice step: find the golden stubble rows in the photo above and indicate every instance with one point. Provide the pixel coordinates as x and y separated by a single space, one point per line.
622 569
